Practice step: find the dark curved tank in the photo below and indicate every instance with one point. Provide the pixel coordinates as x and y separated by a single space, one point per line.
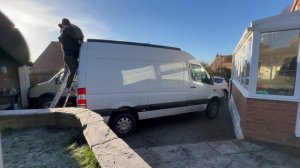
12 43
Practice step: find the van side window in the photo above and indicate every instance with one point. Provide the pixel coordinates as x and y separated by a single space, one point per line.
198 74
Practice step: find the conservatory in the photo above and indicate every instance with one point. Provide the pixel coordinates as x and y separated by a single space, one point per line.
265 87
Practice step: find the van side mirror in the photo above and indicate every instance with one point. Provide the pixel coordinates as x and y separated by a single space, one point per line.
206 80
211 81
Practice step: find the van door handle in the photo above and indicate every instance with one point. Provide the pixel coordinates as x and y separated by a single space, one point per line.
193 87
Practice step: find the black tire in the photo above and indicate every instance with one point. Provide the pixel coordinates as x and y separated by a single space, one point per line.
123 124
45 101
212 110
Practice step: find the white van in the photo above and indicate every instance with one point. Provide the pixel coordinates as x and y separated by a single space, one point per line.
42 94
125 82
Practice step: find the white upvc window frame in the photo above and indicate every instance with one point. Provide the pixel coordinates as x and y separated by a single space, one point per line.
254 71
251 92
276 23
236 79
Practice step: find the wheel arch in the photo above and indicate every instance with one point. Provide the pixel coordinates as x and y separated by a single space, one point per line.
215 98
123 109
49 94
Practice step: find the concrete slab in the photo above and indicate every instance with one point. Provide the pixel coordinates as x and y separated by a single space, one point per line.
235 146
247 159
221 154
169 153
115 153
188 164
148 155
273 156
179 152
88 118
291 162
161 165
268 165
217 161
198 150
98 133
235 164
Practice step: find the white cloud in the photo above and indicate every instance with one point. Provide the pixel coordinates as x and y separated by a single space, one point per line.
30 14
37 21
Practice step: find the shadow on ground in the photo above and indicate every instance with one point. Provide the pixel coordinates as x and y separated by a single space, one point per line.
181 129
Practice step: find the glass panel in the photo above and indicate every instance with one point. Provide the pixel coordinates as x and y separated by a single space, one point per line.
198 74
218 80
248 61
277 63
241 63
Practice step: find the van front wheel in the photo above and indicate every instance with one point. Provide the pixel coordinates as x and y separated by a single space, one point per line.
123 124
212 110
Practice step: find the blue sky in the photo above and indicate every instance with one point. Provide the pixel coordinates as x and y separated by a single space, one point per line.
202 28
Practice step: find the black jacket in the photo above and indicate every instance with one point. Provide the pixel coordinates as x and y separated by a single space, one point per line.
69 44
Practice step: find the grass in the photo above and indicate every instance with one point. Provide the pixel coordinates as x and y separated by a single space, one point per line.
84 155
46 147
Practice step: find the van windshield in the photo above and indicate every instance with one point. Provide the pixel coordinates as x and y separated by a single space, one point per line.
59 74
218 80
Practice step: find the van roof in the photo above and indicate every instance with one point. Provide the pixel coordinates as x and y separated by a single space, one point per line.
132 43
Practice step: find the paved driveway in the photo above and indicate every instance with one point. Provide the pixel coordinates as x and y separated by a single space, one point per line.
219 154
191 140
181 129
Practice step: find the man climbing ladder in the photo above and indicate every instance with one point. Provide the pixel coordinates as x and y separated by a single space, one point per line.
71 39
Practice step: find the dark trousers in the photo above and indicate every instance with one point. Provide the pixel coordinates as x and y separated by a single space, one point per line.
71 65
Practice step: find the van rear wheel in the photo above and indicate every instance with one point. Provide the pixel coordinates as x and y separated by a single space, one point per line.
45 101
212 110
123 124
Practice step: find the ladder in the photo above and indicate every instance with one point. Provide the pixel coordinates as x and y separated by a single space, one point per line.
62 89
69 90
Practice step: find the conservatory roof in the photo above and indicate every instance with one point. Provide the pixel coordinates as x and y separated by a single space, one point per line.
283 21
279 22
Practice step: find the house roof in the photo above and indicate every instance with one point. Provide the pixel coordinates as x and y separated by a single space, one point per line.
50 59
225 59
12 43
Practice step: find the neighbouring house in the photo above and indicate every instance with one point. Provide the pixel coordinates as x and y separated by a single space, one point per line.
265 87
221 66
14 62
48 64
221 61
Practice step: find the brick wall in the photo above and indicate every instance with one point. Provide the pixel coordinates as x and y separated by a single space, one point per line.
224 61
41 76
267 120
